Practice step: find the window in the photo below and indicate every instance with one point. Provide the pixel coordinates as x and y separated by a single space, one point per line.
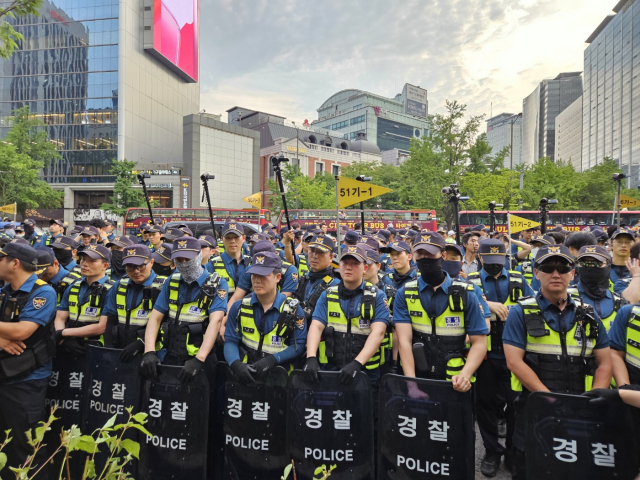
319 167
357 120
338 126
335 169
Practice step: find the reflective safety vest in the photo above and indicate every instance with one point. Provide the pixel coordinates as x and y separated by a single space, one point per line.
309 304
345 337
259 345
303 267
88 313
618 301
188 322
527 270
387 341
220 269
494 339
132 323
63 284
438 343
632 347
40 347
563 361
220 247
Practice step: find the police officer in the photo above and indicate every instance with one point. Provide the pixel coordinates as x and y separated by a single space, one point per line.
144 235
553 342
401 271
156 233
354 314
208 244
194 302
109 230
78 320
451 306
53 273
267 326
231 264
65 250
30 234
116 269
621 242
162 263
56 230
320 276
624 336
130 301
502 289
88 236
27 345
526 267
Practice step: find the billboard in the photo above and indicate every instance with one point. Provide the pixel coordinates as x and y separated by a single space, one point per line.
175 36
415 101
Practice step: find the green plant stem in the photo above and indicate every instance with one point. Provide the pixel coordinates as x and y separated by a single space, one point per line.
46 462
114 449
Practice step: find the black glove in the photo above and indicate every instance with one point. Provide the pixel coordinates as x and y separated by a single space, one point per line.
348 372
74 346
602 396
132 350
393 369
190 370
628 386
243 372
264 365
148 365
59 336
311 369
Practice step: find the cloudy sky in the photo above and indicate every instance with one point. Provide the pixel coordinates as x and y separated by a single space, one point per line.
287 57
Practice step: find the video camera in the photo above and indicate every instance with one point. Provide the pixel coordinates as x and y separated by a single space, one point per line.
205 176
276 160
142 176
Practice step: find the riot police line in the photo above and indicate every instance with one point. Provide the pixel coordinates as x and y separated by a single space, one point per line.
330 416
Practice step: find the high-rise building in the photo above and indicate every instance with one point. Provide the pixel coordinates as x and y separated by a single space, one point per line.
569 134
539 112
611 98
390 123
111 79
501 131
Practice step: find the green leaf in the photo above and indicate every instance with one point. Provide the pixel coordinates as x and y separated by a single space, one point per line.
3 460
133 448
141 428
140 417
320 469
87 444
110 422
40 431
73 437
287 471
90 469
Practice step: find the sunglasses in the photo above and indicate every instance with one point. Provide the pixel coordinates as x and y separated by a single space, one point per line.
133 268
561 268
591 264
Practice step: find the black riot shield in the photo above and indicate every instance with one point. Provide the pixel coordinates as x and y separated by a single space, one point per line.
425 430
330 424
111 387
65 389
567 437
178 420
250 438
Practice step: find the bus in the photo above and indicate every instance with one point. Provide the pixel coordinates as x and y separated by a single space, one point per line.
373 219
136 217
571 220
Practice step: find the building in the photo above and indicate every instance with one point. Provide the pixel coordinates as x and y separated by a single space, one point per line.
388 122
94 74
569 134
502 130
539 112
612 93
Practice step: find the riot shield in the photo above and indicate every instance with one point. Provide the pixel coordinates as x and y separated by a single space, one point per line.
425 430
179 422
250 438
65 393
567 437
330 424
111 387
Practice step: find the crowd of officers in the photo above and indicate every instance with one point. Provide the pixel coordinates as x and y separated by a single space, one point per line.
556 312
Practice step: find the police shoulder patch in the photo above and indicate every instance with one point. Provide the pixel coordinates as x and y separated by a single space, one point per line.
222 293
39 302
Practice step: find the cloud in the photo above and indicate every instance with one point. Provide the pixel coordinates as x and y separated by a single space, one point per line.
287 57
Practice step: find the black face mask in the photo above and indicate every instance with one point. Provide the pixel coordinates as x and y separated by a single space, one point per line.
431 270
594 281
116 262
64 257
28 230
163 271
452 267
493 269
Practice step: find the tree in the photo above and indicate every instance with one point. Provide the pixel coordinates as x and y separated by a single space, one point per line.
549 179
23 154
125 195
9 38
483 188
307 193
479 155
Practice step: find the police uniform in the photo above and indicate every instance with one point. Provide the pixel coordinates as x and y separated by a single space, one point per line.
619 273
24 378
227 267
129 304
155 229
289 278
264 338
493 386
559 346
116 268
65 257
624 336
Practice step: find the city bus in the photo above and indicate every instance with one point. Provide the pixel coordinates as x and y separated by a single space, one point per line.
571 220
136 217
373 219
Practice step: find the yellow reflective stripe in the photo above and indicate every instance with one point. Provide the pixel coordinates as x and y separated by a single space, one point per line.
421 327
252 340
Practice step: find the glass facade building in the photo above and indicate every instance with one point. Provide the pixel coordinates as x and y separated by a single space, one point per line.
66 72
611 95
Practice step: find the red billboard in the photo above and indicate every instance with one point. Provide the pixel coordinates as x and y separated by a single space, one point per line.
175 35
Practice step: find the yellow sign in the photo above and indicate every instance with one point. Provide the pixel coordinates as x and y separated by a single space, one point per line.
518 224
293 149
353 191
628 202
11 208
254 200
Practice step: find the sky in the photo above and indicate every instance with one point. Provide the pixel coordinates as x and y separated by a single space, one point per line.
287 57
